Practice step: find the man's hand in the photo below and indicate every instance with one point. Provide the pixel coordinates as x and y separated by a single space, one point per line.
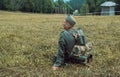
54 68
76 36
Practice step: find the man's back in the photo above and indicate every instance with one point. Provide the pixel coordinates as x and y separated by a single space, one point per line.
69 39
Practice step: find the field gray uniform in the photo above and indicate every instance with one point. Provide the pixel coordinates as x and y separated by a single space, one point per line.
66 44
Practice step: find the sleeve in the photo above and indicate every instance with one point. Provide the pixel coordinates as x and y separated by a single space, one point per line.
61 52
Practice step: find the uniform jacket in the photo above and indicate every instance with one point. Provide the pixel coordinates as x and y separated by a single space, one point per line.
66 43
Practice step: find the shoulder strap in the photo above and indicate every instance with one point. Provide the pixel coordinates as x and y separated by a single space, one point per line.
80 32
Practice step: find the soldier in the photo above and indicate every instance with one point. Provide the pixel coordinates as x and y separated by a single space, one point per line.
66 44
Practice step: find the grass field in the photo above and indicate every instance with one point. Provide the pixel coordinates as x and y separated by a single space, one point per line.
29 41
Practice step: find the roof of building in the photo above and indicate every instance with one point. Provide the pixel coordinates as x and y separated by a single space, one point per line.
108 3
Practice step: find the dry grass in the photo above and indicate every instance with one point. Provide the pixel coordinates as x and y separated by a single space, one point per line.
29 41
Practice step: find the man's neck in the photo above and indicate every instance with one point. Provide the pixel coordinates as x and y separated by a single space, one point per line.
69 28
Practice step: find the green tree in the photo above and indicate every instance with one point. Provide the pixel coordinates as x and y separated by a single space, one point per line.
6 4
76 4
14 5
94 5
27 6
84 9
62 7
43 6
117 7
37 6
48 6
69 9
1 5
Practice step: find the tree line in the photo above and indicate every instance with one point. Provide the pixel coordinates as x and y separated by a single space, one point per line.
51 6
40 6
36 6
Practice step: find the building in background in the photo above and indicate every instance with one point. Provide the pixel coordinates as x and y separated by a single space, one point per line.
108 8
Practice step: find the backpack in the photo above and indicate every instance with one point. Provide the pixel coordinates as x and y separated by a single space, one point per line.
82 46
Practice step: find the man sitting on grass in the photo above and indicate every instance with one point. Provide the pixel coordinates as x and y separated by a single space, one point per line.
68 50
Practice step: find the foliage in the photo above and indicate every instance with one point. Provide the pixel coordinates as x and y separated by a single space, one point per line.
118 6
48 6
58 6
29 41
45 6
39 6
84 9
76 4
94 5
1 4
27 5
62 7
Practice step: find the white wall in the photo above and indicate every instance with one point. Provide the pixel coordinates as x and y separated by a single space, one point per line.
112 11
108 11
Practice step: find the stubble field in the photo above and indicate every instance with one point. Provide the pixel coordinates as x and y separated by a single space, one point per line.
29 41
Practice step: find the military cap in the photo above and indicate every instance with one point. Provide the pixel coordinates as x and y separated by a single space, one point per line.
70 20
